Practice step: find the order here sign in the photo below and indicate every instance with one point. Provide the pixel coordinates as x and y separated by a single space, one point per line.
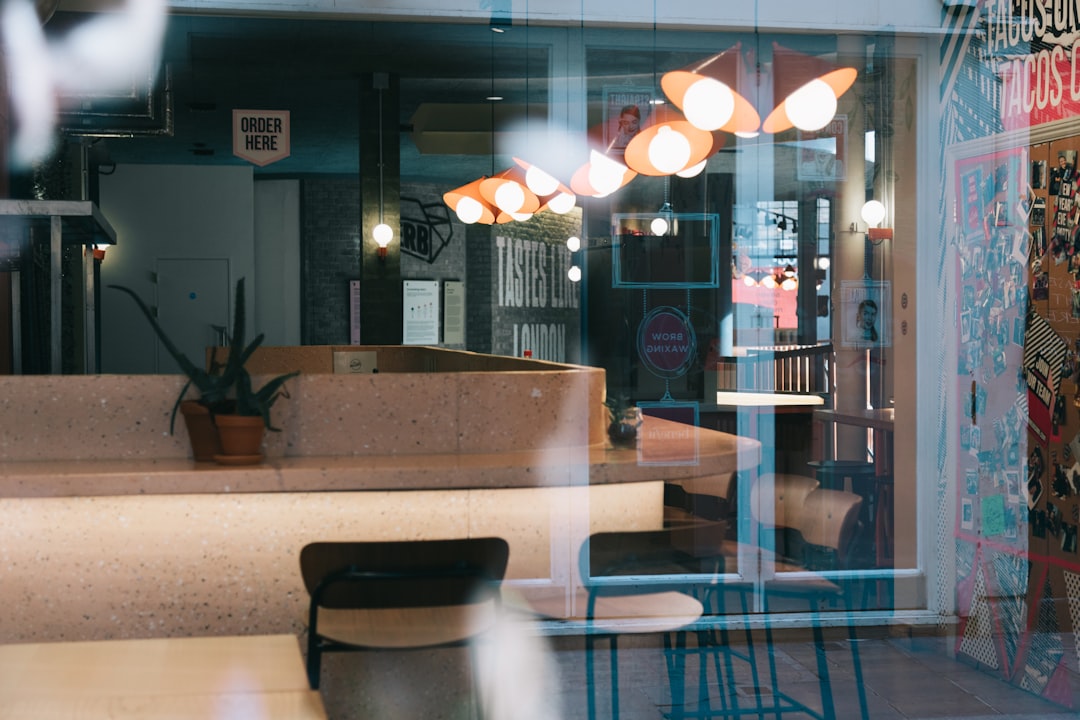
261 136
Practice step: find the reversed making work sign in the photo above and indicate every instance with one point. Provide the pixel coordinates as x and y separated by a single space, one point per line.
261 136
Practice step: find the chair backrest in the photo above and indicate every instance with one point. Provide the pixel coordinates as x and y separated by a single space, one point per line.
409 573
788 500
829 518
672 551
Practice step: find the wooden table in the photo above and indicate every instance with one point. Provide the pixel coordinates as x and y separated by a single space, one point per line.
257 676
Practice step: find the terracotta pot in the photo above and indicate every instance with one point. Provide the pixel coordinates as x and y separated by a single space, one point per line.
241 439
202 431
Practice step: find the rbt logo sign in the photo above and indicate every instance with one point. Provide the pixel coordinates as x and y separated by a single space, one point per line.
425 229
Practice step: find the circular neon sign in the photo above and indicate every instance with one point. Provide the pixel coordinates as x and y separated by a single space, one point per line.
666 342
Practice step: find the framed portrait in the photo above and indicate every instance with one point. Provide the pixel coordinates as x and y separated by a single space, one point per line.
1038 174
865 313
626 111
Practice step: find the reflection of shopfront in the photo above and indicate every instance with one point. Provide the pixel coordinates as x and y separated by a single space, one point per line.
1016 437
801 281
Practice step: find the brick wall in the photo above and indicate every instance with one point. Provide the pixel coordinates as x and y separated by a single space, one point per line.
517 295
329 256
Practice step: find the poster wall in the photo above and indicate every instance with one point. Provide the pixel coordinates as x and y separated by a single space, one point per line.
1018 480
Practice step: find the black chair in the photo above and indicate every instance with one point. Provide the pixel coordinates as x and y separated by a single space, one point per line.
399 594
827 524
649 582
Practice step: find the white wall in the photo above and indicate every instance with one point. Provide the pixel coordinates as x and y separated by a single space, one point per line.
277 261
168 211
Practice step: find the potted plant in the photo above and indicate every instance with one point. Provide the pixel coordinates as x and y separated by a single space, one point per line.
625 419
242 430
224 389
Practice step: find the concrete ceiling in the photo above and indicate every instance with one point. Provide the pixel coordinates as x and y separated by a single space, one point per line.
314 69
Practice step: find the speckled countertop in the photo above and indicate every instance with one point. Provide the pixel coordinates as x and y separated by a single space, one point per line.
682 452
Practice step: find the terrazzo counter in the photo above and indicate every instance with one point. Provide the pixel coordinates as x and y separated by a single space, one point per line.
700 453
109 530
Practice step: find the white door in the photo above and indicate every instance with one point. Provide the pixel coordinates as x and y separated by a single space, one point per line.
193 296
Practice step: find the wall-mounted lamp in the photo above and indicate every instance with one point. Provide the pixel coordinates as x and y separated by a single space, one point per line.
98 251
383 235
873 213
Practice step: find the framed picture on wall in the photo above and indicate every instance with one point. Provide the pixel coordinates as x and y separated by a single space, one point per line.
626 110
865 313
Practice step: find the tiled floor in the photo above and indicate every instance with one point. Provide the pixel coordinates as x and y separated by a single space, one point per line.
903 677
545 679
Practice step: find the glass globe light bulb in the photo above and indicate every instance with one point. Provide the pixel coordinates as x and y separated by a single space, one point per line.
562 203
812 106
509 197
469 210
659 226
605 174
693 170
873 212
669 151
539 181
573 243
383 234
708 104
574 273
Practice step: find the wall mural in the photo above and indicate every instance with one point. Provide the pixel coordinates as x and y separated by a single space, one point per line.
1010 67
1018 469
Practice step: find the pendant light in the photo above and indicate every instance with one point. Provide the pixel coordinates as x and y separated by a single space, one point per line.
807 89
507 192
669 145
600 176
552 194
469 205
707 93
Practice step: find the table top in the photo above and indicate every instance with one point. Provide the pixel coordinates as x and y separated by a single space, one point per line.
158 677
878 419
769 400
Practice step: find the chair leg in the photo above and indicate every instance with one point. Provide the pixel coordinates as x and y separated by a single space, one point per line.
675 660
590 685
314 661
855 659
614 660
770 652
828 709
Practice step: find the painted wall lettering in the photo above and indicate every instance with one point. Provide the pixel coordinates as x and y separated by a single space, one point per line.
532 274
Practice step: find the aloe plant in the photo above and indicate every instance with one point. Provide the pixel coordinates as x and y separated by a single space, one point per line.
258 402
222 388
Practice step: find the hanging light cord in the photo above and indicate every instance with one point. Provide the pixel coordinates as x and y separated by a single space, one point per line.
380 157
